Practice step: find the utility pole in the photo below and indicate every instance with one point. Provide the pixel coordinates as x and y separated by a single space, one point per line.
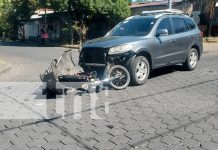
170 4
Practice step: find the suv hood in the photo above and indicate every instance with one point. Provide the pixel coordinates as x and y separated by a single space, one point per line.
111 41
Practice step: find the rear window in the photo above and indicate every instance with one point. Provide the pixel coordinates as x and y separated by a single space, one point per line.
190 23
180 25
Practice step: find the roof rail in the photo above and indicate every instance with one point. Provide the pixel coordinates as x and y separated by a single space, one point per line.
165 12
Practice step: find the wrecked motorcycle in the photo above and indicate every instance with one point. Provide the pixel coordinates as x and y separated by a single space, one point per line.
63 74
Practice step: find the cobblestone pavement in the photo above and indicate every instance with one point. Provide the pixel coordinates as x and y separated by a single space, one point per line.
174 110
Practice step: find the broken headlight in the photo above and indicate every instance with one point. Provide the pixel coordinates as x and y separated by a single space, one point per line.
120 49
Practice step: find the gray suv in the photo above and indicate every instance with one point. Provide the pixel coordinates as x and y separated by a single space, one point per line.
142 43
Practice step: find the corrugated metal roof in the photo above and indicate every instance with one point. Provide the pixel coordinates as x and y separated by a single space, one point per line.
147 4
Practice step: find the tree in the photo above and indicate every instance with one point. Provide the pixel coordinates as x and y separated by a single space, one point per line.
210 12
12 13
82 12
5 9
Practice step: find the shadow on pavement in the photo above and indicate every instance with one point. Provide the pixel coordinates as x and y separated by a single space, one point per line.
166 70
29 44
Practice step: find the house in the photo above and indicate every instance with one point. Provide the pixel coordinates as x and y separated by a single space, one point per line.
54 23
191 7
137 8
41 21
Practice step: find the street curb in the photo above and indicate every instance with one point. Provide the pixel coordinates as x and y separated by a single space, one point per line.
210 40
71 46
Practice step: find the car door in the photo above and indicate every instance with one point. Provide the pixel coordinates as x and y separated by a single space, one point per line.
182 38
163 45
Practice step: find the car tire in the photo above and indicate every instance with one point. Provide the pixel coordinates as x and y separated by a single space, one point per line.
139 70
192 60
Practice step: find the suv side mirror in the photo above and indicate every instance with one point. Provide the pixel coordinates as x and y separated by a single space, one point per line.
162 32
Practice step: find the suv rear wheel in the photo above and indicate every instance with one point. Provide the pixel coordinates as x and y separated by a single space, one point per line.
192 60
139 70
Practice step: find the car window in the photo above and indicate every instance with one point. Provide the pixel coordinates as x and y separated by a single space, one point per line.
165 24
180 25
134 27
190 23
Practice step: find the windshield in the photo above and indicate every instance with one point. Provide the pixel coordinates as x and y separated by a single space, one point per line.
133 27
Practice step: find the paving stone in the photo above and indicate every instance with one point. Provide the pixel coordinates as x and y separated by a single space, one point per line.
136 143
20 140
182 134
53 145
36 148
132 127
177 147
170 140
54 137
39 135
148 130
211 132
85 134
209 145
134 135
123 147
105 145
36 143
215 139
67 140
193 129
103 137
157 145
5 144
190 143
201 137
4 138
90 142
204 126
127 121
18 147
100 130
120 139
72 146
116 131
197 148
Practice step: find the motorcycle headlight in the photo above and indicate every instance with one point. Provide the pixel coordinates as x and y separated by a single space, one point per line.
120 49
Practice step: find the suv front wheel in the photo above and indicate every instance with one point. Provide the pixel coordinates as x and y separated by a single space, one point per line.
192 60
139 70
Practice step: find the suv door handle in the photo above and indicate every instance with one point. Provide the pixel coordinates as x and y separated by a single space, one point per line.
172 41
191 37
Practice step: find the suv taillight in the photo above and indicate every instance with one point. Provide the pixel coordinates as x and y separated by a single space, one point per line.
202 34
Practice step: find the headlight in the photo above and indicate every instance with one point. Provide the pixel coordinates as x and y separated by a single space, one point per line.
120 49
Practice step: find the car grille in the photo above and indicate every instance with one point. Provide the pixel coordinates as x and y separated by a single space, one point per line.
94 55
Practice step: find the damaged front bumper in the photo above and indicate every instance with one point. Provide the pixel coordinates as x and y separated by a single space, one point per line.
63 74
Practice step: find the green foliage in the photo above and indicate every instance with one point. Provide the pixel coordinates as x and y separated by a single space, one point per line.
6 10
80 12
83 12
13 12
58 5
120 11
